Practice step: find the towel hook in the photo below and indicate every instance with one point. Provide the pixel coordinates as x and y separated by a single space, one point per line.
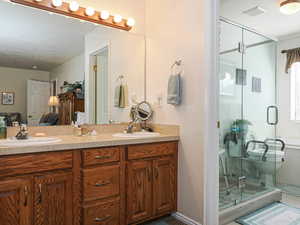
176 63
121 77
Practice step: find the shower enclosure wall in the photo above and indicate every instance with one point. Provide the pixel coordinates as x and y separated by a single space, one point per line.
248 114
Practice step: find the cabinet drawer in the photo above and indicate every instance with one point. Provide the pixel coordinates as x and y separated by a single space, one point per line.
101 182
105 213
151 150
100 155
32 163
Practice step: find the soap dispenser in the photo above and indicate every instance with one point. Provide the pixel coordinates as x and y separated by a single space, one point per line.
3 128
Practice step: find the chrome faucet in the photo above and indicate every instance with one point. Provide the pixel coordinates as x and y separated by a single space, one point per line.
23 132
129 129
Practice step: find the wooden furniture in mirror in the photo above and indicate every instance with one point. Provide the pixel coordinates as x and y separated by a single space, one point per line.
69 104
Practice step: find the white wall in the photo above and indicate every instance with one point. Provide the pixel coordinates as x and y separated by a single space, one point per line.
15 80
181 30
70 71
126 57
286 127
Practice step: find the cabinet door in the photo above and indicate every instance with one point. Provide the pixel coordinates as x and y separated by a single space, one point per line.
164 185
139 190
53 199
15 202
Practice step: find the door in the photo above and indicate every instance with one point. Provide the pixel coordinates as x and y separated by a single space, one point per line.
139 190
53 199
260 114
164 185
231 84
15 202
38 94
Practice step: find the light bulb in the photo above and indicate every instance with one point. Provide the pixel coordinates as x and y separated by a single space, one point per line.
290 7
130 22
89 11
74 6
56 3
104 15
38 0
117 19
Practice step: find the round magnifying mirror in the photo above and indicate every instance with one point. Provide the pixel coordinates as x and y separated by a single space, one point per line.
143 111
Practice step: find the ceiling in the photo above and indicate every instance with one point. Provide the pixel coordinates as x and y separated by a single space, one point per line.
31 37
272 22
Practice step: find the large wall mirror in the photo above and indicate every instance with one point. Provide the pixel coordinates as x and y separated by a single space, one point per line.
55 69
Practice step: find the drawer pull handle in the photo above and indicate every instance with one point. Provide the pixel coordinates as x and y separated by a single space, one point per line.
40 194
156 173
102 184
26 195
97 219
102 157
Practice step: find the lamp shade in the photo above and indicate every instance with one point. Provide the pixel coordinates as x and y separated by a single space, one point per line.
53 101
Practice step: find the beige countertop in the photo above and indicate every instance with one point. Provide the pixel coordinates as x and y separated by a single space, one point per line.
70 142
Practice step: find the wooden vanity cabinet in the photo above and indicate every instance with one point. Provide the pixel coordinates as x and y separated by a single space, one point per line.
16 201
101 186
30 194
53 199
139 191
151 181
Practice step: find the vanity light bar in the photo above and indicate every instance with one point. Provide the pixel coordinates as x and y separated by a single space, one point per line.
74 10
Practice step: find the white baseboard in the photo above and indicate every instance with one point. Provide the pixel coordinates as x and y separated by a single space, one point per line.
185 219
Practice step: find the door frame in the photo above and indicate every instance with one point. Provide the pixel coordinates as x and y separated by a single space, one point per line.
89 90
211 138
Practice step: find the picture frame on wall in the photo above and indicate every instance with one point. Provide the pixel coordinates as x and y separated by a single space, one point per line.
8 98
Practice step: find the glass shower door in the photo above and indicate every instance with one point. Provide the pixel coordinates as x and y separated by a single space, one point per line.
248 115
230 105
259 115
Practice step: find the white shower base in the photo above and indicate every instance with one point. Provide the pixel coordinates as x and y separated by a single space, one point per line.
230 214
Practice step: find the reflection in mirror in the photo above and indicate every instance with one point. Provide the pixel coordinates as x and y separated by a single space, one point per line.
143 111
55 70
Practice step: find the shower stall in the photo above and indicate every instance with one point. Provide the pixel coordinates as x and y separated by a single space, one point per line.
249 152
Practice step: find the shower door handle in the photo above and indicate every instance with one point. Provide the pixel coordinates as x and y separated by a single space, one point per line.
276 115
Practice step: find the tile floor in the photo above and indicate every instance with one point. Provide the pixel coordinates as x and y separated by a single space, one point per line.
289 199
169 220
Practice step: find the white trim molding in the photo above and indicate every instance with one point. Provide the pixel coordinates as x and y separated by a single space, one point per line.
211 111
185 219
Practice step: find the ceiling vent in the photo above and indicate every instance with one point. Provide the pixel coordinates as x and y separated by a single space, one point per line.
255 11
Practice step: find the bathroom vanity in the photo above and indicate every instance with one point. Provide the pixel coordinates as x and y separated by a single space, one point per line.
115 185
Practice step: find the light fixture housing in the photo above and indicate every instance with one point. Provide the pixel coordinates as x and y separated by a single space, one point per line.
74 6
89 11
289 7
104 15
57 3
118 18
130 22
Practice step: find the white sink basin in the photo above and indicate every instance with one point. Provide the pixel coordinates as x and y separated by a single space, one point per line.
13 142
137 135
